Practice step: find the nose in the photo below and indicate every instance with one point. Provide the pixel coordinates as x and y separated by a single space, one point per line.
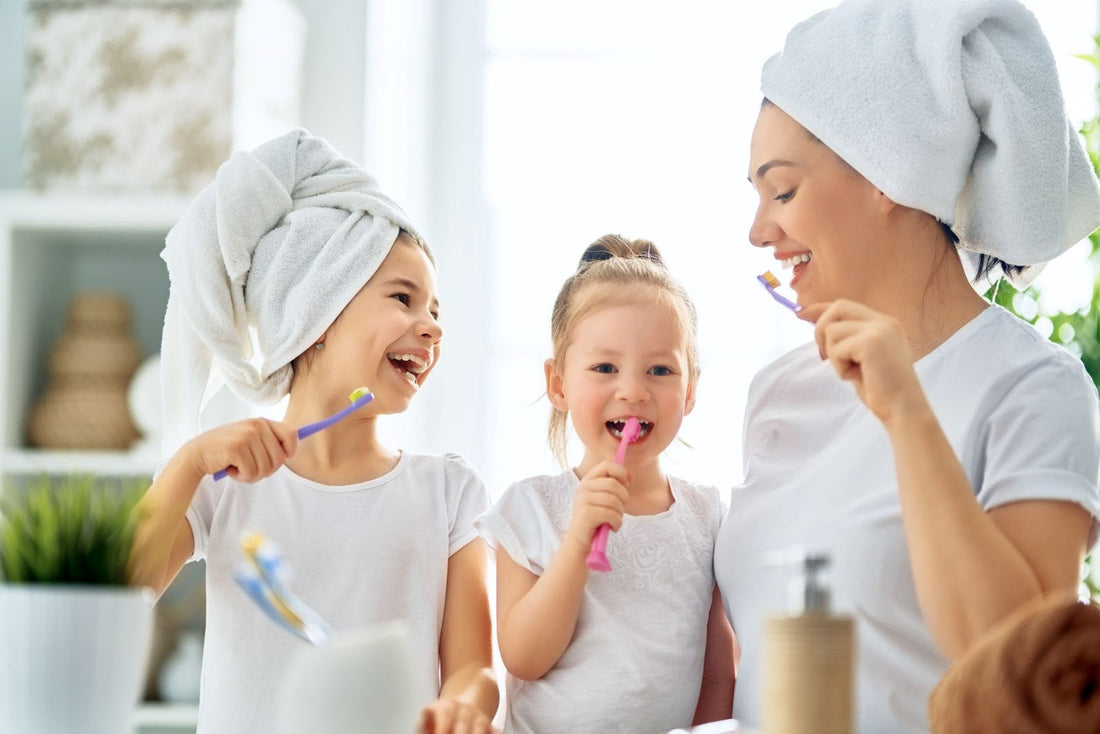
430 329
764 231
632 389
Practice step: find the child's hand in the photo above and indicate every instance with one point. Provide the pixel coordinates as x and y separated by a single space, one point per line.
252 449
448 716
600 498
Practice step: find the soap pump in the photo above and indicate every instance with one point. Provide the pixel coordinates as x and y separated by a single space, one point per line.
808 657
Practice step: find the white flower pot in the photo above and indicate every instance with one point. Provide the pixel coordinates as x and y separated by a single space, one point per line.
72 658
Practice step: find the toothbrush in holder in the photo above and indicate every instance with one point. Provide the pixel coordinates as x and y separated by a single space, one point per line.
597 556
358 397
770 283
261 576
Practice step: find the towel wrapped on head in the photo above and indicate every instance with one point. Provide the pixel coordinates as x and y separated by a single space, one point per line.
952 107
1038 672
267 255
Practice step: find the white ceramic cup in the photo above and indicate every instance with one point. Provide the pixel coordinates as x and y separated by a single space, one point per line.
359 682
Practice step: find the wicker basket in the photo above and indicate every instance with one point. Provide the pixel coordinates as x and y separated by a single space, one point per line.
90 366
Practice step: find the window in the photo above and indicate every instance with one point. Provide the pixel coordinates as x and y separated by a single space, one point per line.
553 124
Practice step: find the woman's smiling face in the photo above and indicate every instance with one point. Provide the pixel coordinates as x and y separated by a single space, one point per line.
817 213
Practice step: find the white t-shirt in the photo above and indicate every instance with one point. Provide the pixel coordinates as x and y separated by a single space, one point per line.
1022 416
635 662
358 554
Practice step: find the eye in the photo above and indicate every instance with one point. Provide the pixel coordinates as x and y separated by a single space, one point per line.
661 371
403 297
784 198
604 368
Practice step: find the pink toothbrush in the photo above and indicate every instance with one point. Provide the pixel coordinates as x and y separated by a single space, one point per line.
597 557
359 397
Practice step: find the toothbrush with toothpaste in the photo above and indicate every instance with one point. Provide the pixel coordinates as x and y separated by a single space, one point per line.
770 283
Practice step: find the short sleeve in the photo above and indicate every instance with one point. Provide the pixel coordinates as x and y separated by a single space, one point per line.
1042 440
518 525
466 498
200 514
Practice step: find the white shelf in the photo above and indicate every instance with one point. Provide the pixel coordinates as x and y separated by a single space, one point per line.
113 463
53 246
154 714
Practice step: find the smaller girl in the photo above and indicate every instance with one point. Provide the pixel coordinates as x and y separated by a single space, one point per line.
646 646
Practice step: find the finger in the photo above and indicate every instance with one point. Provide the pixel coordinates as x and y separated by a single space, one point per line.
273 449
836 332
287 436
426 723
442 719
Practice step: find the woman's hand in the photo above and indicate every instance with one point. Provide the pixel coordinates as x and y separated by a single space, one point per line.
600 498
251 449
869 350
450 716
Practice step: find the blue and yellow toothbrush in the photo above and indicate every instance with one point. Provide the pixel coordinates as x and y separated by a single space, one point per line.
262 576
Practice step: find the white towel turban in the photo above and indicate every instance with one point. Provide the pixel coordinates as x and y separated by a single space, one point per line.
952 107
271 251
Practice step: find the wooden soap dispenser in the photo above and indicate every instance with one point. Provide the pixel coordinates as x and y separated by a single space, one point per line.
808 660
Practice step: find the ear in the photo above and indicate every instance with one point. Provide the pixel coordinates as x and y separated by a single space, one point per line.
689 401
554 386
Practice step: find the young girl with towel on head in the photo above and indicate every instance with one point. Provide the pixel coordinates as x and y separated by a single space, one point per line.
293 274
643 647
943 453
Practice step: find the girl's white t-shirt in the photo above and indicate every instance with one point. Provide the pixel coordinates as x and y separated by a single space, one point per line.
635 662
358 554
1021 414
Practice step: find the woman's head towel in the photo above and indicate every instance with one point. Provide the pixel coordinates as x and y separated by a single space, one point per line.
952 107
268 254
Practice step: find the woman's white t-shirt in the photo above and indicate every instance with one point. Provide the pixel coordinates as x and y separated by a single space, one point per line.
1022 416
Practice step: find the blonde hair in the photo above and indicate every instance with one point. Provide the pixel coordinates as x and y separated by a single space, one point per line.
630 266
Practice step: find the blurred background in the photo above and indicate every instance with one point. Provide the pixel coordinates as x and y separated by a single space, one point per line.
514 132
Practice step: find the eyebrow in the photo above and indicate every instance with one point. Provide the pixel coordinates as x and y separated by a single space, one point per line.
406 283
770 165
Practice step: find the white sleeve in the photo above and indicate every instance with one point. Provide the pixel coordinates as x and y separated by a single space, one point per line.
1042 440
517 526
466 499
200 514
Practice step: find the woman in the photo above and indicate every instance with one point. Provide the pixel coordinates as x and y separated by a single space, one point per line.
958 479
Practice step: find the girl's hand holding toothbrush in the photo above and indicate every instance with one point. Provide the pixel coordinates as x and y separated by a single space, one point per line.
251 449
600 498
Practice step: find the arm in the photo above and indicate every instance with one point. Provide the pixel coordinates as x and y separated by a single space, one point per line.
163 542
469 696
536 615
971 568
719 667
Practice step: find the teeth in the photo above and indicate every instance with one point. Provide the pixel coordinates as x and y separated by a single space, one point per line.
616 428
415 364
790 262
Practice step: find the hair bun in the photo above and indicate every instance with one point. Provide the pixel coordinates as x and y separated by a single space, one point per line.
613 245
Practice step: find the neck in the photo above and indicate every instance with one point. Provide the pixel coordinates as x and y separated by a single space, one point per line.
346 452
930 296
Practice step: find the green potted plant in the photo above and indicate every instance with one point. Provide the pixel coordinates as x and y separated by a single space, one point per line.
74 634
